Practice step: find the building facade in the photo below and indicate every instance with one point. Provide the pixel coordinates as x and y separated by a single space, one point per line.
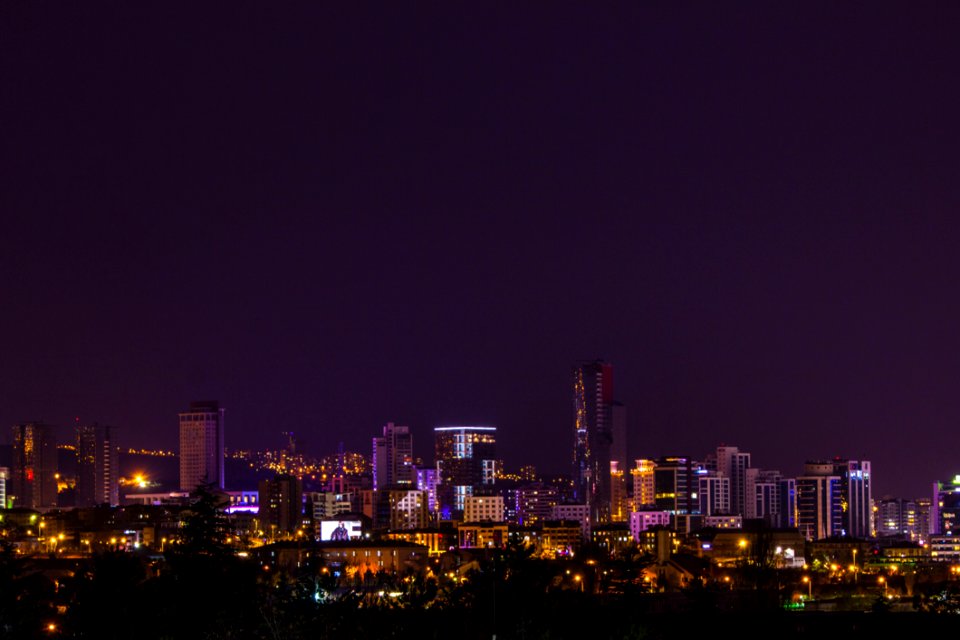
98 466
466 459
34 466
593 436
201 446
393 457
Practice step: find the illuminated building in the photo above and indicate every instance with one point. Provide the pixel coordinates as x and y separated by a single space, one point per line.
857 496
578 512
819 506
201 446
97 466
897 517
770 497
675 485
34 466
733 463
723 522
619 503
408 508
559 538
945 508
642 520
281 503
483 508
535 502
612 538
714 494
4 478
329 505
643 487
393 457
593 436
480 536
465 458
427 481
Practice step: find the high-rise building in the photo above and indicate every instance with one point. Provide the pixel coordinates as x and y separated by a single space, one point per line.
593 436
393 457
97 466
201 446
4 479
408 508
945 507
675 483
34 466
466 460
643 488
619 501
281 503
856 494
819 502
714 494
733 463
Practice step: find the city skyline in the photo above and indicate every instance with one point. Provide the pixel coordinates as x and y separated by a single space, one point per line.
330 218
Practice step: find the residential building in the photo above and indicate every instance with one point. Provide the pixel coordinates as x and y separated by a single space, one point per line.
393 457
466 459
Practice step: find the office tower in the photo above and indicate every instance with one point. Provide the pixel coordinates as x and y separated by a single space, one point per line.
34 466
675 485
393 457
4 478
201 446
281 503
465 459
856 494
643 488
97 466
819 503
733 463
593 436
714 494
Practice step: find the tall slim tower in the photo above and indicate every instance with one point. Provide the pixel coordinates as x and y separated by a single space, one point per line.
393 457
201 445
593 436
34 466
97 466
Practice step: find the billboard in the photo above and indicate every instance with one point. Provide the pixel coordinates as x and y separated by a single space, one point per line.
334 530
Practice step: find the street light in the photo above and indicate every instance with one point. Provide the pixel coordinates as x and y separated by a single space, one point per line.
883 581
809 583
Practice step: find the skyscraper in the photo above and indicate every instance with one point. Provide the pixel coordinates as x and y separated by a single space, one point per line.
593 436
857 494
393 457
734 463
201 445
819 506
97 466
465 461
34 466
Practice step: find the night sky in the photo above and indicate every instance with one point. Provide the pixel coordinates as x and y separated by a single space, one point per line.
333 218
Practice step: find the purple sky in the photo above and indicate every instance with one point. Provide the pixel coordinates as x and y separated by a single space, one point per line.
329 219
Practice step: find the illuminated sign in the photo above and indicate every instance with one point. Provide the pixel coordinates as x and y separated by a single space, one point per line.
339 530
